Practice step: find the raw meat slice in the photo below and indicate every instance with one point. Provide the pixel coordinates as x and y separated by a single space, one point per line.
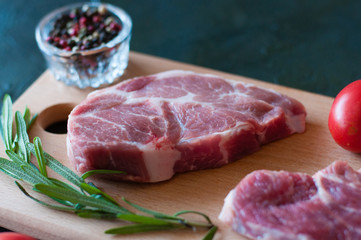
155 126
290 206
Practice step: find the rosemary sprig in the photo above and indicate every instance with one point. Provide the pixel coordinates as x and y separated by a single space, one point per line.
76 195
7 121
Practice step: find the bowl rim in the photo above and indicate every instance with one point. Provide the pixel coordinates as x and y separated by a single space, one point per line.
50 49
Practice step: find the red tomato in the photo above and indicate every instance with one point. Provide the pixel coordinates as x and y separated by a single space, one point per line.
14 236
344 121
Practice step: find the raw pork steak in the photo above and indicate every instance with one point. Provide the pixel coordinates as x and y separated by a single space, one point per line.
155 126
290 206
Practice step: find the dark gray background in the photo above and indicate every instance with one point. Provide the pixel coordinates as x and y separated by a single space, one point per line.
310 45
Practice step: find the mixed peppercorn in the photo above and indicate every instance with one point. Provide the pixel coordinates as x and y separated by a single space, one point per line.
84 28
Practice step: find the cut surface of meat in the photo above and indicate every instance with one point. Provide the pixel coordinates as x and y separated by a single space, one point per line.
288 206
154 126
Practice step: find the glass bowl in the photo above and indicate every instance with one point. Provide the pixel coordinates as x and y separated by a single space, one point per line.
86 68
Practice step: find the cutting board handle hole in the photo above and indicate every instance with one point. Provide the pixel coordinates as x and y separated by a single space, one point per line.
54 119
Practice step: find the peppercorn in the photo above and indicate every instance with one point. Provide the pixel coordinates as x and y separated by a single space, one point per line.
84 28
102 10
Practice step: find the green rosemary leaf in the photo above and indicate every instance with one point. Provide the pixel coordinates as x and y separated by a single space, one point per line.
93 190
14 157
62 170
194 212
58 167
9 173
22 172
138 228
63 184
6 122
142 219
32 120
30 167
22 135
39 153
2 131
78 198
100 171
175 217
154 213
26 116
61 208
33 172
210 234
29 121
96 214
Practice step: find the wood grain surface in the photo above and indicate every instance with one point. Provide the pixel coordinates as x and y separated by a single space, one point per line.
200 190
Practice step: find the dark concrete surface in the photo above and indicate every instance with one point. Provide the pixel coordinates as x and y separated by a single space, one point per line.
310 45
304 44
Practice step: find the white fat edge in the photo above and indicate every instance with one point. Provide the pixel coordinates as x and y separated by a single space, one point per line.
261 134
78 162
324 196
160 162
173 73
227 213
69 148
296 122
180 72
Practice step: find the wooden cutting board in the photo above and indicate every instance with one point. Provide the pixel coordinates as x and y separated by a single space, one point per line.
201 190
